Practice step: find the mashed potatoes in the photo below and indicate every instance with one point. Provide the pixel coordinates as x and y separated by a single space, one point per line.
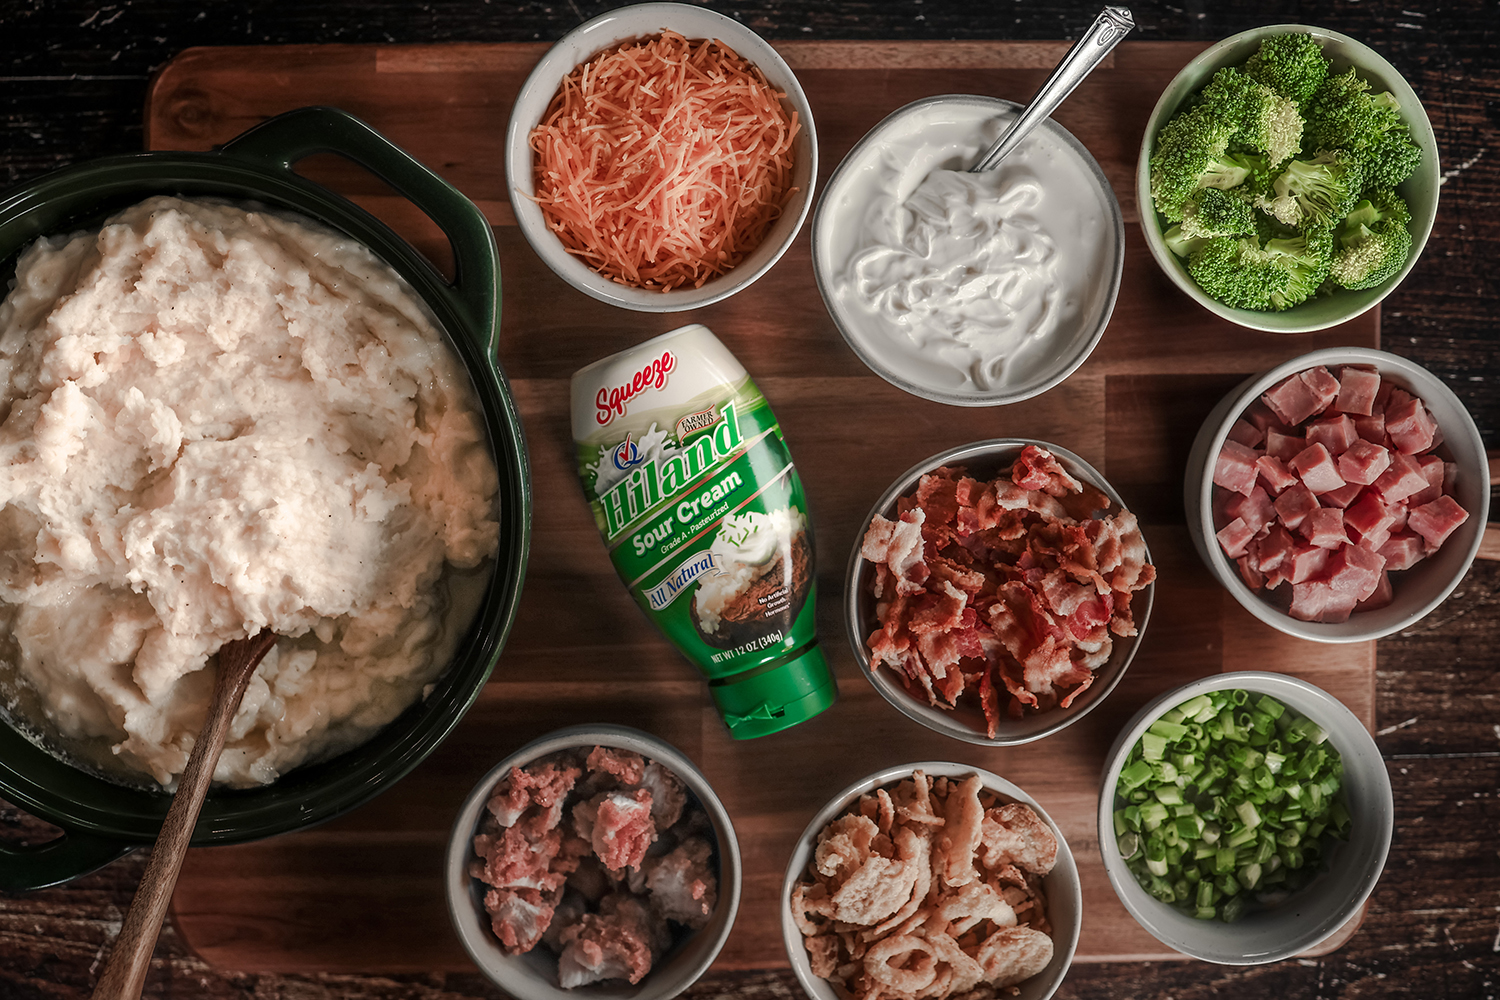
217 421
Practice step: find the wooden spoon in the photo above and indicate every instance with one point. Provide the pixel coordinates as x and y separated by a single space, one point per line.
125 973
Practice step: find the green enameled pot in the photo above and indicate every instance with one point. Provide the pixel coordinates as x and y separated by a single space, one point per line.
102 820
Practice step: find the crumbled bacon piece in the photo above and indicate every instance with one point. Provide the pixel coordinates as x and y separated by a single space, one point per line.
1012 587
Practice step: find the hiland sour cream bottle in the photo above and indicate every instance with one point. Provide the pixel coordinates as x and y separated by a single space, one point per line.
704 516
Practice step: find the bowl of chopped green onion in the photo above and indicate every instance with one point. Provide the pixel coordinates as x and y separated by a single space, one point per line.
1244 817
1288 178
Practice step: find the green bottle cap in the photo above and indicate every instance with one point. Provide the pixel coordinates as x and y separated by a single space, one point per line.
776 696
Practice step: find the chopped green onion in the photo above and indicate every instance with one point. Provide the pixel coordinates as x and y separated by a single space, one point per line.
1225 801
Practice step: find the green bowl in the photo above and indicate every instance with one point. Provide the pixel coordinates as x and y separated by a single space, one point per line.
1420 189
102 820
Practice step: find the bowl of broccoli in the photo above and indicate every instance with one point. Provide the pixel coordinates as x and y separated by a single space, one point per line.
1288 178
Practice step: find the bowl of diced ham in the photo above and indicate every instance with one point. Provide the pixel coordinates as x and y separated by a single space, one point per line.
998 591
594 861
1340 496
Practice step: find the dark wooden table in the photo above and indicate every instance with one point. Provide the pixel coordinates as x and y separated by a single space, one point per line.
73 76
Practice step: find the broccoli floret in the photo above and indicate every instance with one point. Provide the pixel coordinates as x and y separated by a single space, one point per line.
1307 258
1182 245
1343 114
1391 160
1316 192
1264 120
1373 243
1237 272
1213 212
1190 154
1240 272
1293 65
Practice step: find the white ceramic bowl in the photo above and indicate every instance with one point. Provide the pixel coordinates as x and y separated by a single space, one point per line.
1062 887
533 976
1420 190
1417 590
1308 916
606 31
983 459
836 224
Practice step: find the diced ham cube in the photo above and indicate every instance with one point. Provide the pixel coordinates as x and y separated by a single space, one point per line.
1252 576
1410 426
1275 474
1369 515
1376 538
1341 497
1371 428
1383 595
1357 390
1294 504
1246 434
1355 570
1234 537
1363 462
1334 433
1396 397
1437 520
1318 601
1274 548
1284 445
1293 401
1308 561
1317 469
1321 381
1432 468
1403 479
1260 416
1324 528
1255 510
1235 467
1399 513
1404 550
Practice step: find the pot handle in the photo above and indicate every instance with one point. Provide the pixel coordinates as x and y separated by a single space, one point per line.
74 854
282 141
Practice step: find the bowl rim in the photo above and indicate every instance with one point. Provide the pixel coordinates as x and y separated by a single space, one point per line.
1414 114
824 278
842 801
602 32
475 935
1286 689
992 449
1201 527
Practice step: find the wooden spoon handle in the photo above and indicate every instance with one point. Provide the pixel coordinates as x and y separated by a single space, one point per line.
125 973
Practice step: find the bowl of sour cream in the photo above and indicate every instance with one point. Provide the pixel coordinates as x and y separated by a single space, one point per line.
968 289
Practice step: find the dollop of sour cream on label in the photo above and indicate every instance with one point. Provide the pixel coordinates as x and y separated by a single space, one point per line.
965 283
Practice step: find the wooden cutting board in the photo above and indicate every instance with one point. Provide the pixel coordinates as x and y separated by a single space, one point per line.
364 892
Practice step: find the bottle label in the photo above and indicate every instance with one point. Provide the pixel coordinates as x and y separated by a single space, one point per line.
697 499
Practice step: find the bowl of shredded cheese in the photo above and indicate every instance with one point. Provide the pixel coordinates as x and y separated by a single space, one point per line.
661 157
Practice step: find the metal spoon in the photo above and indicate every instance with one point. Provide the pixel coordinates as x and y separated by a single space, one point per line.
125 973
1112 24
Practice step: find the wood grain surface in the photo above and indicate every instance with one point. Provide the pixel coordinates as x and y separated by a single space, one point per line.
77 76
850 432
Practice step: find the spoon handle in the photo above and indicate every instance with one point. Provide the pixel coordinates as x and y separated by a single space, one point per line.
130 958
1112 24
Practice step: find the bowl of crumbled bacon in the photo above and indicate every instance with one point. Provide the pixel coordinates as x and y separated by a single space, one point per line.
596 861
661 157
998 591
928 881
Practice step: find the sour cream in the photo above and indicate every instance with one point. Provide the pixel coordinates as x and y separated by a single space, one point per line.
970 289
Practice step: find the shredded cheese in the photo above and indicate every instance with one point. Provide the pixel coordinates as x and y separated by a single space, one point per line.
663 163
